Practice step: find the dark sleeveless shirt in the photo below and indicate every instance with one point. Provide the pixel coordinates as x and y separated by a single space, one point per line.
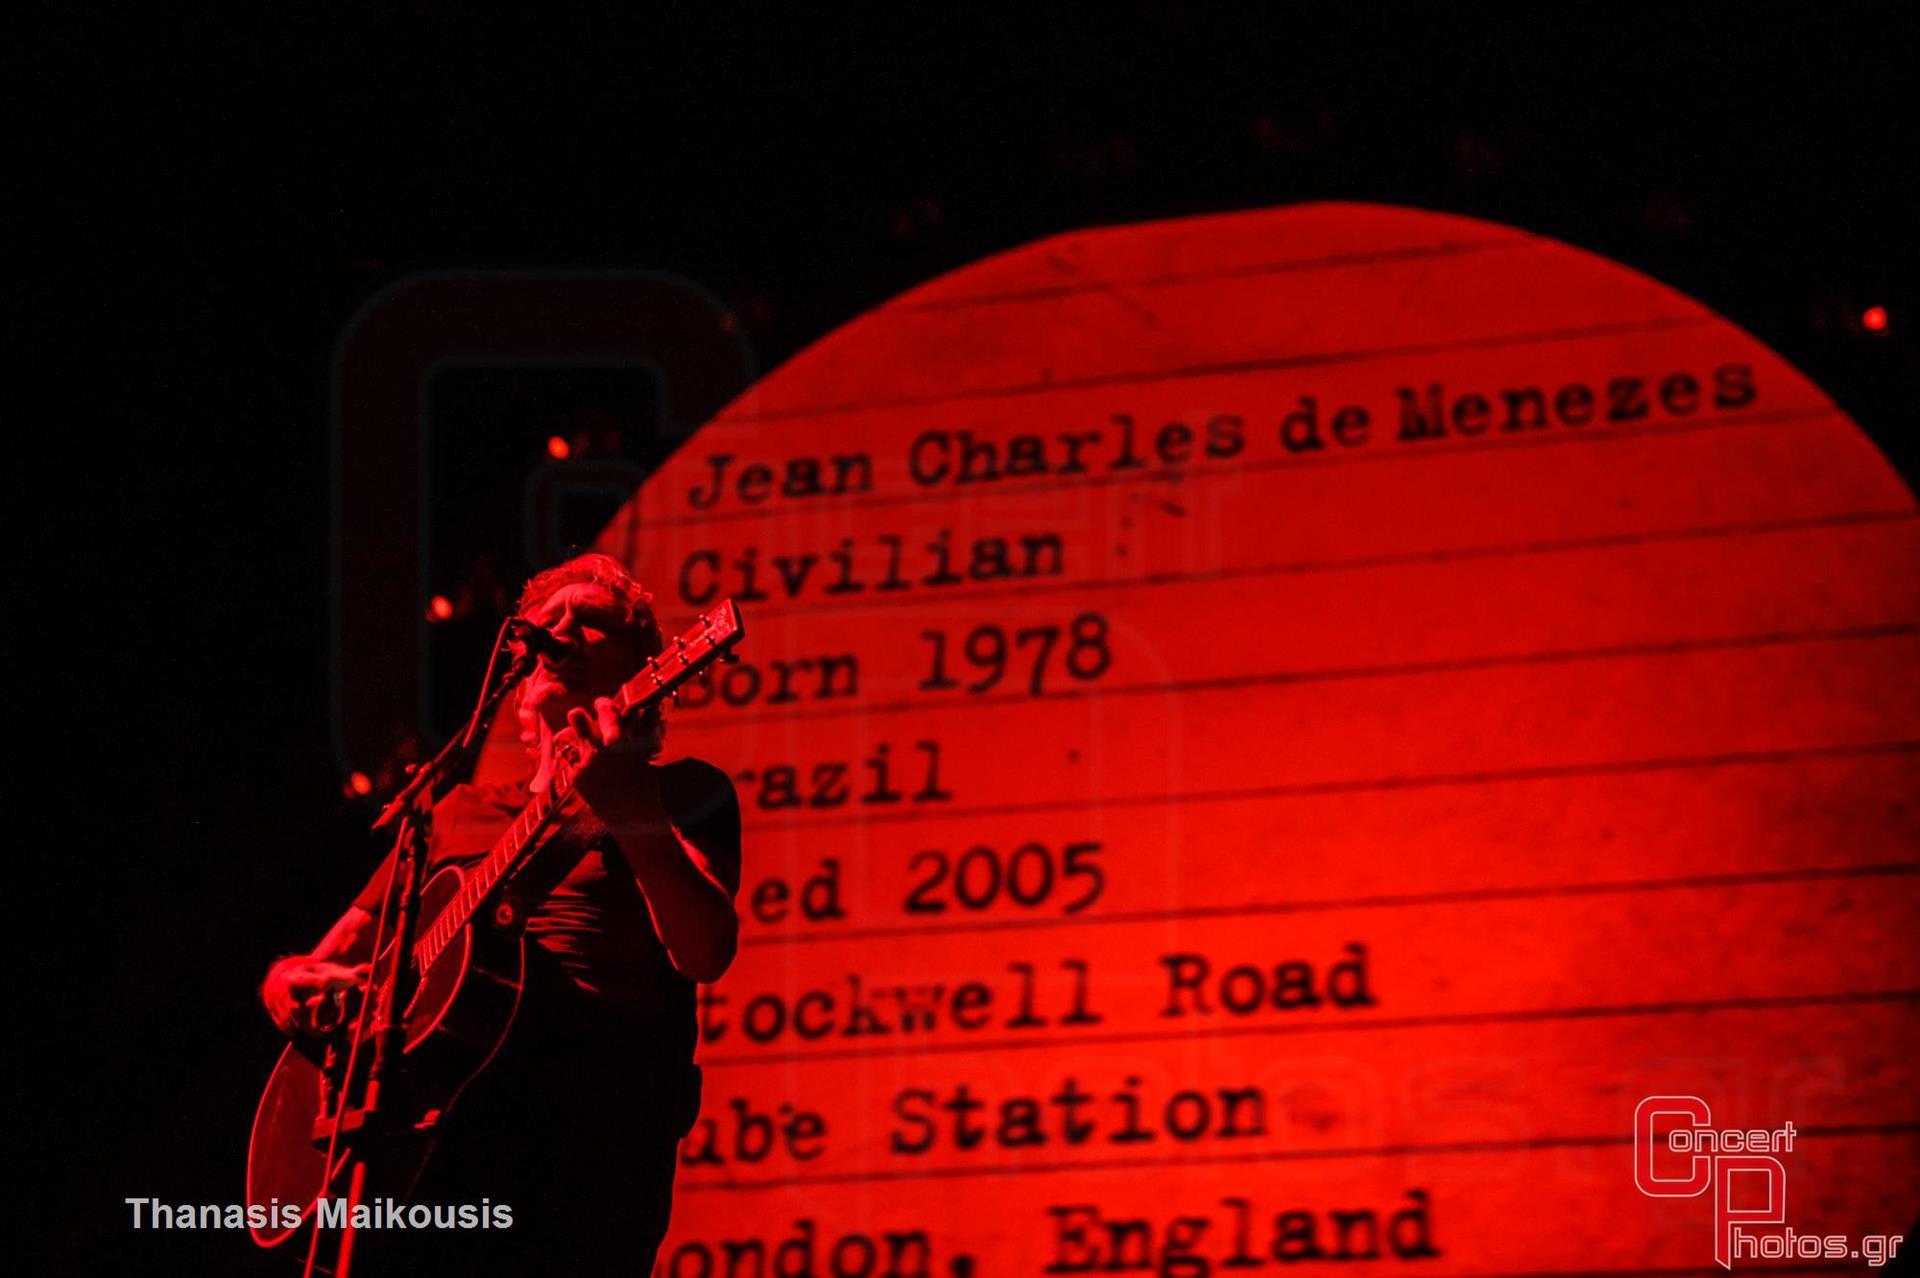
595 927
577 1120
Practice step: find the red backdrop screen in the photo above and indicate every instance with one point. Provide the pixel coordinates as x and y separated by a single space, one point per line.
1264 737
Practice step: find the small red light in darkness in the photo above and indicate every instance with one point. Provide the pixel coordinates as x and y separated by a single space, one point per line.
1874 319
558 448
360 783
440 608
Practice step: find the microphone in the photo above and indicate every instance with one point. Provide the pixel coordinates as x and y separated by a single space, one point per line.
539 640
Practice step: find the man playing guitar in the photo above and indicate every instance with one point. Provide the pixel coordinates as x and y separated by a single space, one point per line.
576 1122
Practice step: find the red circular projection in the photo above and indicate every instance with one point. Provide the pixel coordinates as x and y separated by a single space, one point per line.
1265 737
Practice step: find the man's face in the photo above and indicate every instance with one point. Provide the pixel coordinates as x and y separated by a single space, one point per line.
586 617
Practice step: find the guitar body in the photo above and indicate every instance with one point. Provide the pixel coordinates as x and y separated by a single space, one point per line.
456 1021
469 951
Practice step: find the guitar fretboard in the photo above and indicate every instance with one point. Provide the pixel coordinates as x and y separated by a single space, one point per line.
506 855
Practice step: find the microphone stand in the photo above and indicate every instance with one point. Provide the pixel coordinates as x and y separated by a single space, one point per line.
386 993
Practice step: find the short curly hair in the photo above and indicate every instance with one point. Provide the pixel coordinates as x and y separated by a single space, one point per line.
602 570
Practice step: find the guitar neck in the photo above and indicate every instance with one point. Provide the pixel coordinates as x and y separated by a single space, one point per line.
506 856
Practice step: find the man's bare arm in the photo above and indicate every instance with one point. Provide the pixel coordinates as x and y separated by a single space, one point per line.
687 867
688 876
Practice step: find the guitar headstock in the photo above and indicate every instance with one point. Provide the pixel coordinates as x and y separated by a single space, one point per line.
712 638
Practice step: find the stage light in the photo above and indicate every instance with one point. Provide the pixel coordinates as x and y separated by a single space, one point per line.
439 608
558 448
1874 319
360 784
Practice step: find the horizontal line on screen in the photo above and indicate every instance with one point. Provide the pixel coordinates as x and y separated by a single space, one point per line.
1376 902
857 708
1406 1149
1527 1016
1165 279
1544 438
1359 785
761 613
1219 368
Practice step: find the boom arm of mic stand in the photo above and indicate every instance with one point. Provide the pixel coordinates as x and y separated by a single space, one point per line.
428 775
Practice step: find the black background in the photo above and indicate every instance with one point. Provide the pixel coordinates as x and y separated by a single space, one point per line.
210 199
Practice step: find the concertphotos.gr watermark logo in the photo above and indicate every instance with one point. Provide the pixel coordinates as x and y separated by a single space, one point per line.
1748 1181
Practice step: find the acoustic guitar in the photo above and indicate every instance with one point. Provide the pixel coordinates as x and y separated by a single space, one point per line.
468 967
